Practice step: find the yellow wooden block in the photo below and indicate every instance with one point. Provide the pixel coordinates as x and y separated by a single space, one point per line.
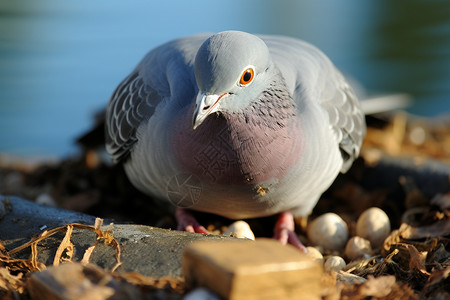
261 269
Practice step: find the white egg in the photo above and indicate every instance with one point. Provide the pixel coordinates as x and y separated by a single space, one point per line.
240 229
334 263
356 247
328 231
373 225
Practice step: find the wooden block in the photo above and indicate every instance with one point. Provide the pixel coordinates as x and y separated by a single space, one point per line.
261 269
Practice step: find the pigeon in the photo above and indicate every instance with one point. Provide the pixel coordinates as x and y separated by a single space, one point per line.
236 125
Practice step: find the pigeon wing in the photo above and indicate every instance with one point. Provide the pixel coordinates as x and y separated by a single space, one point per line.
165 74
132 102
310 74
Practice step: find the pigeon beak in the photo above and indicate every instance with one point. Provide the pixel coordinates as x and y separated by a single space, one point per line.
204 106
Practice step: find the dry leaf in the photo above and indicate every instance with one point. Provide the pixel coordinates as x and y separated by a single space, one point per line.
10 282
437 277
377 287
394 238
438 229
383 287
417 259
437 282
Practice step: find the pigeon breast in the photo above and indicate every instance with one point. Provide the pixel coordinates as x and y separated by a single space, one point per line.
254 145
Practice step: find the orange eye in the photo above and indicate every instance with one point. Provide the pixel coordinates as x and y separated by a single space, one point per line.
247 76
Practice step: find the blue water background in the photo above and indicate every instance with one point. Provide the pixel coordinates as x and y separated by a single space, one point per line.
61 60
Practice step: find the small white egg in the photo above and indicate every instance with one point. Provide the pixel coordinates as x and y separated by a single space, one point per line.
373 225
356 247
240 229
334 263
328 231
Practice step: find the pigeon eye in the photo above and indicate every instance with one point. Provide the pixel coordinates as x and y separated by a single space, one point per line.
247 76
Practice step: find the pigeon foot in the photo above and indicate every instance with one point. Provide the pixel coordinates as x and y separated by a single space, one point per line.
284 231
187 222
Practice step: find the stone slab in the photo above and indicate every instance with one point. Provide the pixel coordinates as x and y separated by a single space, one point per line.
148 250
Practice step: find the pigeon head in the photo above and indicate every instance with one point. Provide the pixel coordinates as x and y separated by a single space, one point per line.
231 69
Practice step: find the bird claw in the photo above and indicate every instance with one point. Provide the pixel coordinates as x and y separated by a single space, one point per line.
187 222
284 231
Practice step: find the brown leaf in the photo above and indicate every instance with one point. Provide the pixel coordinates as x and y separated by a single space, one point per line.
436 278
383 287
394 238
377 287
417 259
17 265
440 228
11 282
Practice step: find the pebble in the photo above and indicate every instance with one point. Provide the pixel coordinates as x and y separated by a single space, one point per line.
334 263
357 247
240 229
45 199
328 231
373 225
201 294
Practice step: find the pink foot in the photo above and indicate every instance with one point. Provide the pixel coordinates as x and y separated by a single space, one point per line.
284 231
187 222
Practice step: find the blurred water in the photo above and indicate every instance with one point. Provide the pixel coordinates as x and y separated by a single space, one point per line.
61 60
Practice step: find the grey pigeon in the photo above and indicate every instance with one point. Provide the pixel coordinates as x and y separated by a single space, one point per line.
237 125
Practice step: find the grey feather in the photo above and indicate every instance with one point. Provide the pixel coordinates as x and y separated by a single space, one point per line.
131 104
137 97
331 90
